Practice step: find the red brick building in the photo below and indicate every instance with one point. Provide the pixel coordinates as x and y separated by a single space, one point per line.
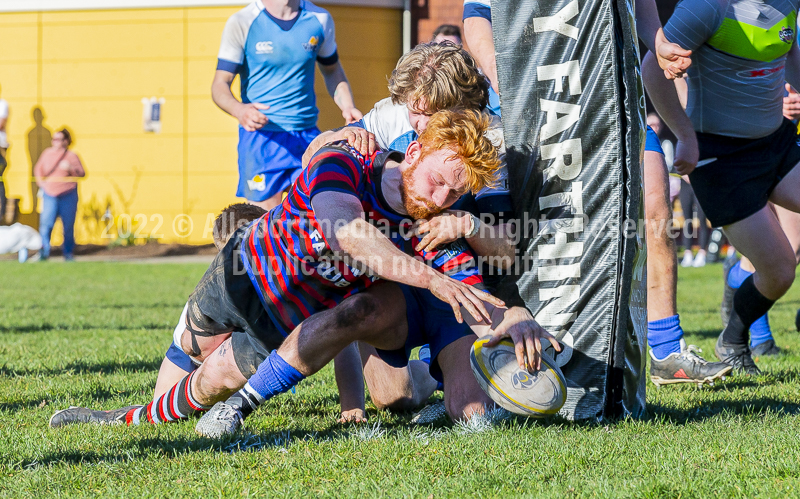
427 15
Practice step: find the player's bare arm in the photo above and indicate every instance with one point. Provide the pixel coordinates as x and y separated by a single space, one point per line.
518 324
791 103
478 35
664 96
249 115
495 242
672 58
793 66
346 230
357 137
350 382
339 88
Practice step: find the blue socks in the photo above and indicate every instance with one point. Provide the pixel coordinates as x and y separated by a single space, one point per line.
737 275
664 336
759 330
274 376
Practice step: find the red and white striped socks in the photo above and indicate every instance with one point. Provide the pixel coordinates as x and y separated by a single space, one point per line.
175 405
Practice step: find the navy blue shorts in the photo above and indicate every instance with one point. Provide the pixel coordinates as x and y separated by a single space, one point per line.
430 321
269 161
739 182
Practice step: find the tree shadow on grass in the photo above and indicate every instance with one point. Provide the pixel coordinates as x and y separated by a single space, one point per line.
96 395
172 446
706 410
706 334
85 367
47 326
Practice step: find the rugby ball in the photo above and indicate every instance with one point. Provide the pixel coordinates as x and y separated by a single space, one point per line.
536 394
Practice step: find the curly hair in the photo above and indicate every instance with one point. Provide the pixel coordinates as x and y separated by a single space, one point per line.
437 76
231 218
464 133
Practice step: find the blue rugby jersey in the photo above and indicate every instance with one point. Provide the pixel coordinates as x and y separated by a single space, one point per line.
289 261
275 60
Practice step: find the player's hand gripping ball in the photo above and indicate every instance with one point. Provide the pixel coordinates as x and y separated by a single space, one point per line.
535 394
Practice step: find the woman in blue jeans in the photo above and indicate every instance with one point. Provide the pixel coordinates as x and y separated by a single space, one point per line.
56 173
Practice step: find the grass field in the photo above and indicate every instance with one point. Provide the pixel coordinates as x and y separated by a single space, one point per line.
94 334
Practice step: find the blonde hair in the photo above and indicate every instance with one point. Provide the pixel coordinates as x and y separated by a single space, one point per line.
463 132
436 76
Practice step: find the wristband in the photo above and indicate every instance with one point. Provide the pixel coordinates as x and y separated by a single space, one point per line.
474 226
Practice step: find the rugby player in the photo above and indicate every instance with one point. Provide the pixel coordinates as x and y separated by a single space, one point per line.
672 360
274 46
743 54
429 78
735 271
286 255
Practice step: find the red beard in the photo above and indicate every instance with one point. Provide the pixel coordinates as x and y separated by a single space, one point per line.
417 207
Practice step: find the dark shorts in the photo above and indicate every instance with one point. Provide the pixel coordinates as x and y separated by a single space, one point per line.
738 184
430 321
226 301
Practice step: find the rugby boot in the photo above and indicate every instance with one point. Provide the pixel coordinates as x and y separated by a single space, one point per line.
797 320
223 419
727 295
430 414
686 367
767 348
77 415
736 355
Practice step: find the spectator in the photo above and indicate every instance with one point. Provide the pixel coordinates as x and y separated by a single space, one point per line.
273 45
447 32
3 159
701 231
55 172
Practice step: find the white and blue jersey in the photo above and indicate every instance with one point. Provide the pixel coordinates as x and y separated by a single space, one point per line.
392 128
275 60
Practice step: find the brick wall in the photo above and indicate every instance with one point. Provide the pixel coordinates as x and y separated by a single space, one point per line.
428 15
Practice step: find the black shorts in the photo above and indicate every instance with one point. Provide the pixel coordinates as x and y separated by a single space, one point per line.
226 301
746 171
430 321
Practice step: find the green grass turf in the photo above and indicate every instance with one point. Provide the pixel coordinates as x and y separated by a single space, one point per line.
94 334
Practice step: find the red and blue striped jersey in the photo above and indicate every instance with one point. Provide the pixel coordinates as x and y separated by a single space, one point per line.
291 264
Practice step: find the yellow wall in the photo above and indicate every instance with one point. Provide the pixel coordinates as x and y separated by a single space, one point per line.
89 70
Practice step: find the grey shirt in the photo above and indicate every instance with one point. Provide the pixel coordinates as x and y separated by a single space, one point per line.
739 51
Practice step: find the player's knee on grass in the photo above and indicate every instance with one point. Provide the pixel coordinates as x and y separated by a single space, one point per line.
397 388
463 397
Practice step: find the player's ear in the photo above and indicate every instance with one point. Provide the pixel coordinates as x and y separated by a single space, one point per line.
413 150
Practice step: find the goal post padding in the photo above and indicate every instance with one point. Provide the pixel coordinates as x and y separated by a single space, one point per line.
573 116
